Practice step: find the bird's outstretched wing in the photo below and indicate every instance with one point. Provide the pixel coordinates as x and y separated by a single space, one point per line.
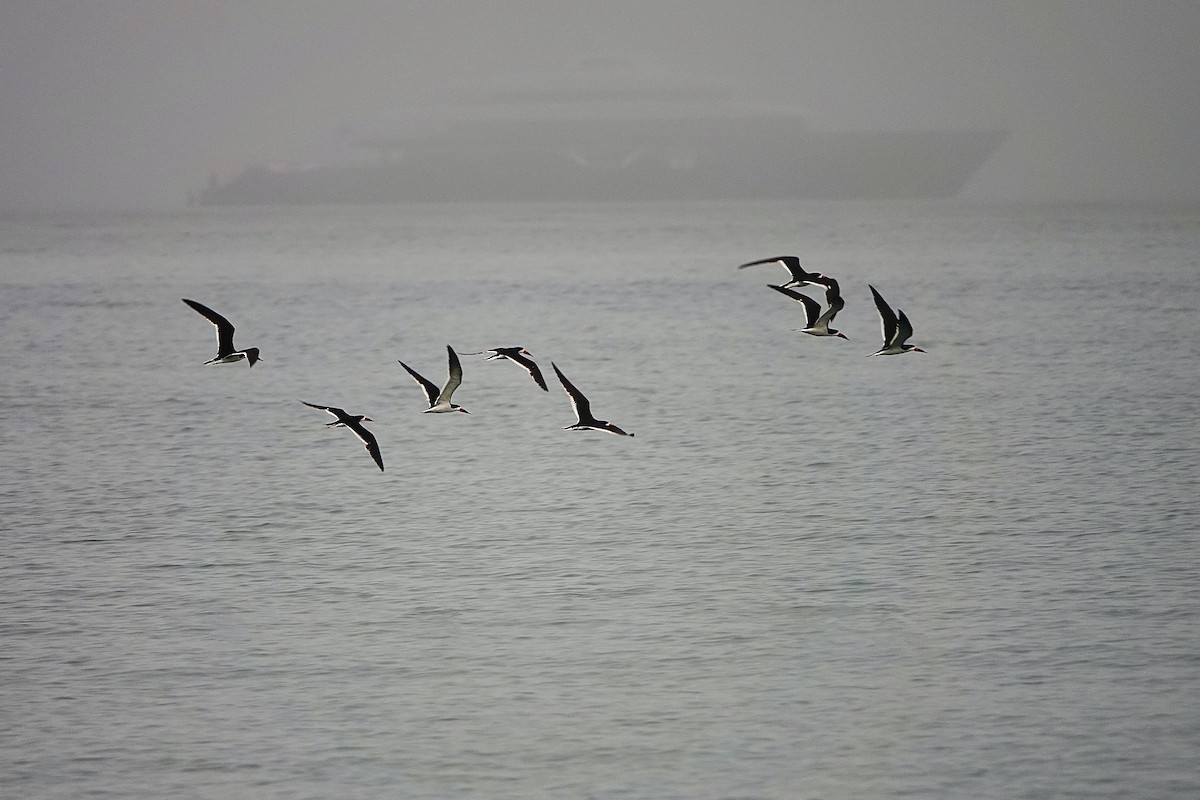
431 391
812 309
453 377
791 263
583 409
887 317
531 366
224 327
368 440
337 412
903 328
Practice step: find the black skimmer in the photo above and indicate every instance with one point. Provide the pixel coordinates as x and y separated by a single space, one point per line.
895 330
583 409
818 323
792 264
833 293
354 423
226 353
439 401
517 354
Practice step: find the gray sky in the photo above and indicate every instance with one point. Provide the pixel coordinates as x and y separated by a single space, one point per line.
133 103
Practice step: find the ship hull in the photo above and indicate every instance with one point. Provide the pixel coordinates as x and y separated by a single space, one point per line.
519 166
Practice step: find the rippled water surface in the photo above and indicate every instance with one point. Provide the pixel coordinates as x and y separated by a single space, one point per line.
970 573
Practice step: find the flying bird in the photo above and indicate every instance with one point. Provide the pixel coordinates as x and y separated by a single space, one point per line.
792 264
833 294
354 423
896 331
817 323
518 355
439 401
226 353
583 409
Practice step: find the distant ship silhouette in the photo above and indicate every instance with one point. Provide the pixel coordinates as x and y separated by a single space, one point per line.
611 129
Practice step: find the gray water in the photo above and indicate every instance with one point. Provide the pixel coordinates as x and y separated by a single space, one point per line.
969 573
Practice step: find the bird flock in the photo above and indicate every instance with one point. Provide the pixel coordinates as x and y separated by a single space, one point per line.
896 332
896 328
439 399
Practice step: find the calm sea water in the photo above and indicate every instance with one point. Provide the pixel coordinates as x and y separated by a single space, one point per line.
972 573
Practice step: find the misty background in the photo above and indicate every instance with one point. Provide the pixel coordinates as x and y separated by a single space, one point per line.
131 104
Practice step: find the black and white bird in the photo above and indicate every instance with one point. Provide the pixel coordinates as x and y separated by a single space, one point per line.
355 423
439 400
896 329
792 264
519 355
226 352
817 323
583 409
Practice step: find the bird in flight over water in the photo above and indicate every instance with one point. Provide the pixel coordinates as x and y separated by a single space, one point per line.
792 265
518 355
226 352
817 323
439 400
583 409
355 423
896 329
